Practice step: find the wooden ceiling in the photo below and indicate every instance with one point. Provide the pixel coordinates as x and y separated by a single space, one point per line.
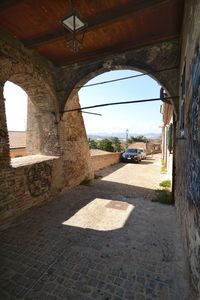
113 25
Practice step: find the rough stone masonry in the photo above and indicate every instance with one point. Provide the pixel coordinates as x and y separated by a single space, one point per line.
50 132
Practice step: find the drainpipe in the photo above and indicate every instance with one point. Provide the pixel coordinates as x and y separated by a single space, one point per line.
174 160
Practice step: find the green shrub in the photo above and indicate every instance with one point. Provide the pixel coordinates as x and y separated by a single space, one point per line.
86 181
163 196
97 176
166 183
163 169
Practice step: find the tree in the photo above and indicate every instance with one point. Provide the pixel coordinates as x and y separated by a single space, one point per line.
92 144
139 138
106 145
130 140
117 144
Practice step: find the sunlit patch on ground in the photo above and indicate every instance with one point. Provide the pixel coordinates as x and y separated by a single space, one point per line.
102 215
139 175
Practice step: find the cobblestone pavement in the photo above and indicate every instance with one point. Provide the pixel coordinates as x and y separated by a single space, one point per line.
73 247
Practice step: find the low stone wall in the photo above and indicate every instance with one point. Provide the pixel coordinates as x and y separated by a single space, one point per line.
104 160
24 186
18 152
32 180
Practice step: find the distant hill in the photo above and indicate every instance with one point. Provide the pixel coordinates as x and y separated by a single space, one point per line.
122 135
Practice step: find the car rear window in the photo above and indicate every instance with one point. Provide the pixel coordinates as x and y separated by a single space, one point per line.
131 150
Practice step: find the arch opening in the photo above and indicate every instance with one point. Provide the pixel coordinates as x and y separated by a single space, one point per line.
131 89
142 123
16 104
30 122
160 76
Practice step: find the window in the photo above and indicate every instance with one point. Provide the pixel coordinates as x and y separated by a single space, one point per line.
182 103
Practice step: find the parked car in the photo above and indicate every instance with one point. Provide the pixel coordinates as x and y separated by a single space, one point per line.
131 155
143 153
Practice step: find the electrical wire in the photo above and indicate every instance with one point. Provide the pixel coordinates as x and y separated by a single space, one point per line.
118 103
124 78
113 80
87 112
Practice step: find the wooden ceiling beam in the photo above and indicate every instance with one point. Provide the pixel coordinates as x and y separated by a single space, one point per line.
4 4
95 22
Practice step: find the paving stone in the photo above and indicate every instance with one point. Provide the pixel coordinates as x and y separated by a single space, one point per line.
123 275
114 297
4 295
43 258
119 281
119 292
51 297
110 288
49 287
59 291
32 295
101 284
59 279
75 276
139 297
93 282
33 273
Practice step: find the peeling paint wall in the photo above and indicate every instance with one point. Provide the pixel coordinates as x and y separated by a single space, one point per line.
187 181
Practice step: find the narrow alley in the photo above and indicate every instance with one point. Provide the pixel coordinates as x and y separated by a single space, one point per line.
104 240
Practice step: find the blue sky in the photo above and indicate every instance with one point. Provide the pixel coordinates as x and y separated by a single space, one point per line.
16 107
137 118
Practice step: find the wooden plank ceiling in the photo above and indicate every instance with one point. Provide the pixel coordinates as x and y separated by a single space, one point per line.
113 25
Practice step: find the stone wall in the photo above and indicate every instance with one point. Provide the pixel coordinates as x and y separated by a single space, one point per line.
26 186
32 180
187 181
52 132
74 145
104 160
33 74
57 141
4 143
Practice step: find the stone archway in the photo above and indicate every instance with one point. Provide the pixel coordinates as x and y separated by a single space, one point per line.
163 57
52 89
34 76
149 59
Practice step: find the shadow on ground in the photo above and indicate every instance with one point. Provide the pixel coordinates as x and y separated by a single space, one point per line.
41 258
147 162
